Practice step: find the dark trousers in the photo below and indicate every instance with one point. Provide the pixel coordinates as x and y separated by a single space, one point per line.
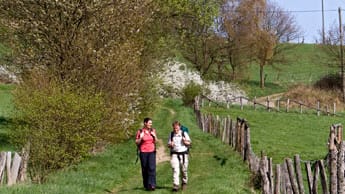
148 168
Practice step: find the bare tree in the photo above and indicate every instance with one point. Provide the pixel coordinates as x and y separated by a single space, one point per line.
276 28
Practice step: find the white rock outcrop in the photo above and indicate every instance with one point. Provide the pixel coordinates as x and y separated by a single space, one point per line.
176 76
7 76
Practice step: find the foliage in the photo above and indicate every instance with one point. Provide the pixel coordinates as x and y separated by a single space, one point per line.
192 25
115 171
253 30
60 125
189 92
93 45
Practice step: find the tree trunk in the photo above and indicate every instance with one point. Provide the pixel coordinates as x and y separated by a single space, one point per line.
262 81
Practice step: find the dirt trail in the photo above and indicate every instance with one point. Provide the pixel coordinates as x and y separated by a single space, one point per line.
272 98
161 154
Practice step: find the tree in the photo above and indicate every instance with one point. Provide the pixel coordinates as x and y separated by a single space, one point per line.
238 23
192 24
92 50
254 31
276 28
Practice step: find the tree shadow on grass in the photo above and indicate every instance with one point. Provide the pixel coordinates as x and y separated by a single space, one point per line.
137 189
5 124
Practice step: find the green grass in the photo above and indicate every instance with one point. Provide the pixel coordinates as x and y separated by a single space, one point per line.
280 135
306 64
6 106
214 166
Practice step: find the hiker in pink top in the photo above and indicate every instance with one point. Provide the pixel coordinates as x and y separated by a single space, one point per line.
145 140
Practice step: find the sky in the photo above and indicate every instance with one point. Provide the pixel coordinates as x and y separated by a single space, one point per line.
308 15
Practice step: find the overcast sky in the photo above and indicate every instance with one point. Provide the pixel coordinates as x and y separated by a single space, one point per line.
309 16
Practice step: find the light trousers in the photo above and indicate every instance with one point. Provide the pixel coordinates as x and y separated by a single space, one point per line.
179 163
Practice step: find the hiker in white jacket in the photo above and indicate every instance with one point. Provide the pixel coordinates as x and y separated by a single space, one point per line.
178 143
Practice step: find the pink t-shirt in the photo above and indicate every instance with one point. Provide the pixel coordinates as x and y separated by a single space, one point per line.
148 142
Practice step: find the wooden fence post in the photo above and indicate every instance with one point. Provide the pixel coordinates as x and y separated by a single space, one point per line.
287 105
243 125
316 177
341 168
268 104
318 108
278 105
299 174
24 165
327 110
334 108
277 178
2 166
288 188
263 172
333 162
323 177
309 176
292 175
224 130
270 173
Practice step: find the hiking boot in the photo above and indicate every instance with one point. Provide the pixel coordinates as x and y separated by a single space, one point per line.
175 188
184 186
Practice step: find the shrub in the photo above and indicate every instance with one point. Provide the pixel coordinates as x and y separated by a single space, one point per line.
329 82
60 125
189 92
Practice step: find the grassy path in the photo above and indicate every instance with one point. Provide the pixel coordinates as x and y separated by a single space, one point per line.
214 167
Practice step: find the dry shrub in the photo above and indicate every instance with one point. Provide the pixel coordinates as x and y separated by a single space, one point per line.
310 95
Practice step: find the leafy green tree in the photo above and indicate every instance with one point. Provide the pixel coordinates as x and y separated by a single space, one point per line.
192 24
76 57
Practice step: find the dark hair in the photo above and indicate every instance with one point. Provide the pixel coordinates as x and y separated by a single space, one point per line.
147 119
176 123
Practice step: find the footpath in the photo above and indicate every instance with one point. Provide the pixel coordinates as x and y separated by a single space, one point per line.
214 166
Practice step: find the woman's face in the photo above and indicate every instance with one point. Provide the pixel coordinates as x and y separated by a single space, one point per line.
148 124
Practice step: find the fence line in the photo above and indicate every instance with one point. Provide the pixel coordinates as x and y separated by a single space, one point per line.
13 169
289 103
287 177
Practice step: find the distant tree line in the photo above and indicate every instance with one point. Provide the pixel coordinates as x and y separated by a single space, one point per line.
221 38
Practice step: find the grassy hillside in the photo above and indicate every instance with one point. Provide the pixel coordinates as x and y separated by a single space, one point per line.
214 167
282 135
305 63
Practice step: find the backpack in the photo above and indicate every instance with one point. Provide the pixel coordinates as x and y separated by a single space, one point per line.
184 129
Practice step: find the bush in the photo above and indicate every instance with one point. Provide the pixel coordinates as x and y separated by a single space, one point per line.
330 82
189 92
60 125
